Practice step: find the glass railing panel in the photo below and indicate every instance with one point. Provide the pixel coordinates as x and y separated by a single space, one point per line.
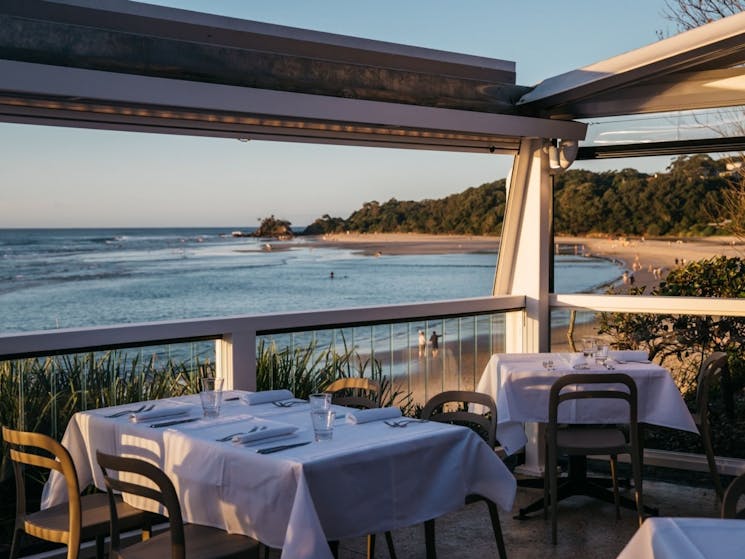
391 353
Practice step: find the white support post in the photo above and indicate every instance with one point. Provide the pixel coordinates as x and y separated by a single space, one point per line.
235 359
524 266
525 250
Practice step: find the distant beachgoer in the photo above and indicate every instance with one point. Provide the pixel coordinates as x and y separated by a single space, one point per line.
625 278
435 344
331 275
631 279
422 343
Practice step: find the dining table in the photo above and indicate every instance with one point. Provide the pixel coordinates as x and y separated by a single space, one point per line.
520 384
369 478
686 538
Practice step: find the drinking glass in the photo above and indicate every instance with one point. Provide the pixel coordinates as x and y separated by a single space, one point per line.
320 401
589 347
601 355
211 396
323 424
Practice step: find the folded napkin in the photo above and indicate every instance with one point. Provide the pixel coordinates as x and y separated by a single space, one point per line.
160 413
267 396
629 355
267 430
375 414
578 361
210 422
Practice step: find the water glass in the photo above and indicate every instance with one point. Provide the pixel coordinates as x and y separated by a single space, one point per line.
589 347
211 396
320 401
601 355
323 424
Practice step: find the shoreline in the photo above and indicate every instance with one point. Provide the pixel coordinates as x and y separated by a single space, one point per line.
649 260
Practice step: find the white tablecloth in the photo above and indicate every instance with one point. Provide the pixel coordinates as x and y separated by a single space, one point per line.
369 478
687 538
520 385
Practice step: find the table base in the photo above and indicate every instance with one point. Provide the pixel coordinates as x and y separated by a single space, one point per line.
577 483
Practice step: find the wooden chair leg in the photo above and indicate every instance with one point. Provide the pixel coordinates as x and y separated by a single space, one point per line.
429 539
497 527
370 546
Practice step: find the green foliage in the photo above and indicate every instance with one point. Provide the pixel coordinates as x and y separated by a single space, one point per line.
309 369
686 200
682 341
476 211
682 201
273 227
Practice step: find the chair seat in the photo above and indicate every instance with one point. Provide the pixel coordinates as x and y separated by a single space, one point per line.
587 441
201 542
95 517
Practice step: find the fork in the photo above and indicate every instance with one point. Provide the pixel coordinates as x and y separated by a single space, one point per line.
403 422
142 408
288 403
251 430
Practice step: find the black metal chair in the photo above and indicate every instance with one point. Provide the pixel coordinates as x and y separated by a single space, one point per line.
584 440
435 410
711 370
735 490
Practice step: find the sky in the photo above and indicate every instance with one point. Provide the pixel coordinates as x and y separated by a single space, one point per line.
64 177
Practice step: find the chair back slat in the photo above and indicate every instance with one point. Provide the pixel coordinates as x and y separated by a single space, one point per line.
355 392
164 493
558 396
433 410
42 451
711 369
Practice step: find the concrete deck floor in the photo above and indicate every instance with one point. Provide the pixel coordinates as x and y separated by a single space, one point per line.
588 528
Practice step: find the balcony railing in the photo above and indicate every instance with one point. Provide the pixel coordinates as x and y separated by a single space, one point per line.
472 329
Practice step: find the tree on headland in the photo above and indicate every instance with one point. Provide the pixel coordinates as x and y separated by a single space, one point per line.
274 228
688 14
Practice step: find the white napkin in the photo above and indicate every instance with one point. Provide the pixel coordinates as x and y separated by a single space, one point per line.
267 396
578 361
217 421
629 355
273 429
160 413
375 414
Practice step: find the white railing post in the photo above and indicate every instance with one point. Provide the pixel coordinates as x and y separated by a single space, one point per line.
235 359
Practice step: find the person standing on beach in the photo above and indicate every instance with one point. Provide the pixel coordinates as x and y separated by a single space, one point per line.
435 344
422 343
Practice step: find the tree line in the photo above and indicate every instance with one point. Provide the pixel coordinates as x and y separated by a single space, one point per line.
687 199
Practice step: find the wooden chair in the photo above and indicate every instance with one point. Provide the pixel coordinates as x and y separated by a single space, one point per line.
710 371
80 519
485 425
355 392
584 440
361 393
735 490
182 541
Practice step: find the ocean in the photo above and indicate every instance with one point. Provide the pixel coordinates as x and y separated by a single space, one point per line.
62 278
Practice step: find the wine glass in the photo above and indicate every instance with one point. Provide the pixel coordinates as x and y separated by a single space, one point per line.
601 355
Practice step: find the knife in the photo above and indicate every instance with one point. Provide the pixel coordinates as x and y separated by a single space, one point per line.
174 422
271 449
